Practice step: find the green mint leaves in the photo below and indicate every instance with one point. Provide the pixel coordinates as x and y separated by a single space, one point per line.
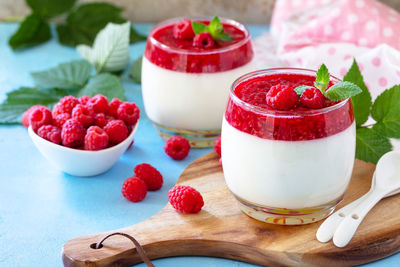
336 92
215 28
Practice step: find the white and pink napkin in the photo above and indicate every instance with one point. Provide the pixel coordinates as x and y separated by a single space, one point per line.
307 33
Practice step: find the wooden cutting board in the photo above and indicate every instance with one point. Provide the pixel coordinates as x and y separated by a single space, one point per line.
222 230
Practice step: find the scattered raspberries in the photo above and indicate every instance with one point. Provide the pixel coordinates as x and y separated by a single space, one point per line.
203 40
281 97
183 30
312 98
217 146
149 179
177 147
90 123
185 199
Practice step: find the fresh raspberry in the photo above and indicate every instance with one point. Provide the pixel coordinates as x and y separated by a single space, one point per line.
27 114
99 103
150 175
83 114
113 107
95 138
117 131
217 146
134 189
281 97
65 105
60 119
185 199
100 120
129 113
183 30
50 133
312 98
72 133
40 116
177 147
84 99
203 40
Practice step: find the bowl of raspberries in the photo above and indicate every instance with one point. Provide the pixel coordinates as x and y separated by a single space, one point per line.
83 136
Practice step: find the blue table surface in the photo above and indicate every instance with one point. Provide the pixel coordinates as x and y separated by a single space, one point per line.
41 207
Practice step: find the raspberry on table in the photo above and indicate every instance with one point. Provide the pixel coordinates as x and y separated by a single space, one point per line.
40 116
72 133
100 120
27 114
177 147
113 107
150 175
129 113
95 138
84 99
217 146
281 97
60 119
117 131
183 30
312 98
99 103
185 199
50 133
134 189
83 114
203 40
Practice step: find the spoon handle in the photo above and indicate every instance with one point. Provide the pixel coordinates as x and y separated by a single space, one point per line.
346 229
327 229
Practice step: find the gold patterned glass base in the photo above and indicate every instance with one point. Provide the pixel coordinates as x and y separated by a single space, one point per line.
197 139
287 216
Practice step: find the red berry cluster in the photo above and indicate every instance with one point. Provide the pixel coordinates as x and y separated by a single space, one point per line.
183 31
89 123
146 177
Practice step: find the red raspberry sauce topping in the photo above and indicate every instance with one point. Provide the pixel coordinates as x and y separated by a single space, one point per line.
297 124
167 52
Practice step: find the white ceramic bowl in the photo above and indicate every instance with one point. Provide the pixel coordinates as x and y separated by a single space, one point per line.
81 162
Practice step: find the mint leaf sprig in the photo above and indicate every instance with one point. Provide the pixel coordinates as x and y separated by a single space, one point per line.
336 92
215 28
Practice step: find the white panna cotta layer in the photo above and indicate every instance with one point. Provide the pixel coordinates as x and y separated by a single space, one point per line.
187 101
287 174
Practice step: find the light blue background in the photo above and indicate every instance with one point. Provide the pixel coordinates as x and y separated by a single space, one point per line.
41 208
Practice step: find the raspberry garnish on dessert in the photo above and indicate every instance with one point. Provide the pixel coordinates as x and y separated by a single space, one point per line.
183 30
281 97
312 98
203 40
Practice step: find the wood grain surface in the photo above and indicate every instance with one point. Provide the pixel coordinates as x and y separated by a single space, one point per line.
222 230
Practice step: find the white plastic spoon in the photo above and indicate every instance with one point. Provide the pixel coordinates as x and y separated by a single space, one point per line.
387 180
328 227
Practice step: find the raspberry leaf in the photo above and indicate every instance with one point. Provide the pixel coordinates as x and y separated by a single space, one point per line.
49 9
110 51
69 75
386 112
215 28
136 70
370 145
106 84
32 31
322 78
342 90
300 89
361 102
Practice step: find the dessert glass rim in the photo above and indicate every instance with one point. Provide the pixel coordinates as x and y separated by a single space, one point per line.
232 22
282 113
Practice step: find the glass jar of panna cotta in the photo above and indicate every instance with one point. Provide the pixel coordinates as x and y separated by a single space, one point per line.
286 167
186 88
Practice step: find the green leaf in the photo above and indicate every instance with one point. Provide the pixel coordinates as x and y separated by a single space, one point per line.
322 79
135 36
52 8
386 112
342 90
216 29
361 102
370 145
69 75
106 84
32 31
84 23
136 70
110 51
199 27
300 89
12 113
